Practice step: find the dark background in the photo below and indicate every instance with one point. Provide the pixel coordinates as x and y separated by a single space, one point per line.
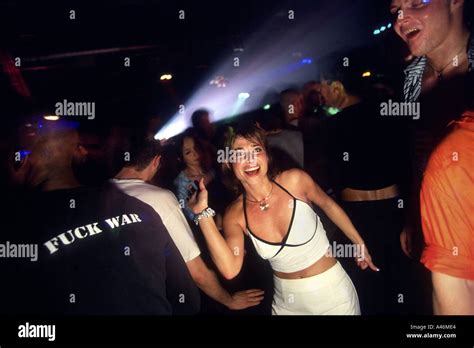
83 59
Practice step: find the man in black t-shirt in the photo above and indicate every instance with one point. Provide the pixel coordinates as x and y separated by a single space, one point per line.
98 251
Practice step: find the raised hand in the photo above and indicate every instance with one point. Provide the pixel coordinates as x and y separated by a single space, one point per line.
199 200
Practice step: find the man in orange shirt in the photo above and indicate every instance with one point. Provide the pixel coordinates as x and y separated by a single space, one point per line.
447 212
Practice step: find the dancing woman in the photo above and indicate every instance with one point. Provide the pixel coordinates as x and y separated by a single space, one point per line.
275 213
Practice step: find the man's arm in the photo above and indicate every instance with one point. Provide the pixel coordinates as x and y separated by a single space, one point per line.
208 282
181 291
452 295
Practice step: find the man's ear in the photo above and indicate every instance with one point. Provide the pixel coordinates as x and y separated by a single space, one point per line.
338 87
18 168
20 159
157 161
457 5
302 98
80 153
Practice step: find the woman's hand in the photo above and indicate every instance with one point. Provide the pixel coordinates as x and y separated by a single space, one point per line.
364 259
199 200
406 241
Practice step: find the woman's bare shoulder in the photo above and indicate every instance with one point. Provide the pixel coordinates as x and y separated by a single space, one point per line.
293 180
290 177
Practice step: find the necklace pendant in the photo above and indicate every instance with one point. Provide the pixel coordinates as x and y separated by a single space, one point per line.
264 206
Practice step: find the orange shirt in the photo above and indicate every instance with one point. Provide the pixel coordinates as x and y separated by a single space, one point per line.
447 203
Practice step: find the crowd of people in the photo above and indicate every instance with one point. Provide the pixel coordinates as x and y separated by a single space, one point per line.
174 227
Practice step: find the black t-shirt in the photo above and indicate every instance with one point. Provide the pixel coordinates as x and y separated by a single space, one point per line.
100 252
367 150
445 103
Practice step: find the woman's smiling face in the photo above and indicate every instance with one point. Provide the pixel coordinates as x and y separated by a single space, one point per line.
252 161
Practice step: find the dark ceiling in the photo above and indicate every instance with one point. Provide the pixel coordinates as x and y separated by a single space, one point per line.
84 57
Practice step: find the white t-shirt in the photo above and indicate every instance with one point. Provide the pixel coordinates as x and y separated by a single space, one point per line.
166 205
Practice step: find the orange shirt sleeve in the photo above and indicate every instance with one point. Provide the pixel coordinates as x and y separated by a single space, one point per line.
447 204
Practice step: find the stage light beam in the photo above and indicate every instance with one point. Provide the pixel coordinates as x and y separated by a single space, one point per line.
269 65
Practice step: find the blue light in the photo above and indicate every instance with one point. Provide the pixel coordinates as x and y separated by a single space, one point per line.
307 61
244 95
376 31
389 25
383 28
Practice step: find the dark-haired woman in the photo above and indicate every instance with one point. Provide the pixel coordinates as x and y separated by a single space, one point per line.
276 214
194 163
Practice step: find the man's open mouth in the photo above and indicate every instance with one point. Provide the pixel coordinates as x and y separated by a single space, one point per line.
411 33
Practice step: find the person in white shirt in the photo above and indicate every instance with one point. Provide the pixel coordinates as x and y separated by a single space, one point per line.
133 178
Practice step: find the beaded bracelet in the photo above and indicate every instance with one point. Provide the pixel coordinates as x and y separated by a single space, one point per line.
206 213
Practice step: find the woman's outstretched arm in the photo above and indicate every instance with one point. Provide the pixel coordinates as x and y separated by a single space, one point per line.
315 194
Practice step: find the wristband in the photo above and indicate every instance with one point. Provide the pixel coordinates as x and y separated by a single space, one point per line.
206 213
